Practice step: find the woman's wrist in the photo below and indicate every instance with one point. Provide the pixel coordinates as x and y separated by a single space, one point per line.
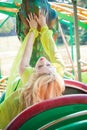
35 31
44 28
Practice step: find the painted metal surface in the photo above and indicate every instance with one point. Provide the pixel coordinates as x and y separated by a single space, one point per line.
50 110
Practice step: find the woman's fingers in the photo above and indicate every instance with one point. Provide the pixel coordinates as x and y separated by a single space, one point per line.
32 20
43 12
39 13
36 18
30 17
27 20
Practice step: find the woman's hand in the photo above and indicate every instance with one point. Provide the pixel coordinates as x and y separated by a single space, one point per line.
32 21
41 19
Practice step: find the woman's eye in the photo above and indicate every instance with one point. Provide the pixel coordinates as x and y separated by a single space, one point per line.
48 64
40 66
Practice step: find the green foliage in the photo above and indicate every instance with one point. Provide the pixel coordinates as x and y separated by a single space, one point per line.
84 77
8 26
83 36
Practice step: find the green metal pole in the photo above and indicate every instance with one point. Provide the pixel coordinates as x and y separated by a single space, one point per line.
77 38
71 41
72 45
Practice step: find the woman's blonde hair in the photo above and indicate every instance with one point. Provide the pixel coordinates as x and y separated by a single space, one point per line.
41 87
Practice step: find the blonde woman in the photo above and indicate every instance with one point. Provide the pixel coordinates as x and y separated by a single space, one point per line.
49 46
44 82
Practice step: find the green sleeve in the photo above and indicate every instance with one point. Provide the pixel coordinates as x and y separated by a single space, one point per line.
26 74
14 74
51 49
9 109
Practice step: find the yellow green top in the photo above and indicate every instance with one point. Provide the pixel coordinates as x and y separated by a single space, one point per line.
51 51
9 108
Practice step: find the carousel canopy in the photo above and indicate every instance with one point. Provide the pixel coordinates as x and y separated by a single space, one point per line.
65 11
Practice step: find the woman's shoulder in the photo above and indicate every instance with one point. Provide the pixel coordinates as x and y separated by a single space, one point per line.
26 74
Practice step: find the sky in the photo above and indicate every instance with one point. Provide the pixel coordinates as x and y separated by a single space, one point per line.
3 16
3 0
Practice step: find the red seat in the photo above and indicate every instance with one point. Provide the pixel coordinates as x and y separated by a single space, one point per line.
34 110
74 87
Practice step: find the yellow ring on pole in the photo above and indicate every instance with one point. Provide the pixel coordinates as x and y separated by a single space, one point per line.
14 10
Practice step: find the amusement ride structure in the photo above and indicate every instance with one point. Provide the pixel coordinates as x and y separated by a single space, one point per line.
69 111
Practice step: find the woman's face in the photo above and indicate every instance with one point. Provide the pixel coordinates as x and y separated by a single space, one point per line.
43 66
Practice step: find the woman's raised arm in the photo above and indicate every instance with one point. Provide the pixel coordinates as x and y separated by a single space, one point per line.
49 45
29 44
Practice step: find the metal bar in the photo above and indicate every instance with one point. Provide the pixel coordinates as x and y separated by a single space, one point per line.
77 38
71 35
70 18
71 41
4 21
